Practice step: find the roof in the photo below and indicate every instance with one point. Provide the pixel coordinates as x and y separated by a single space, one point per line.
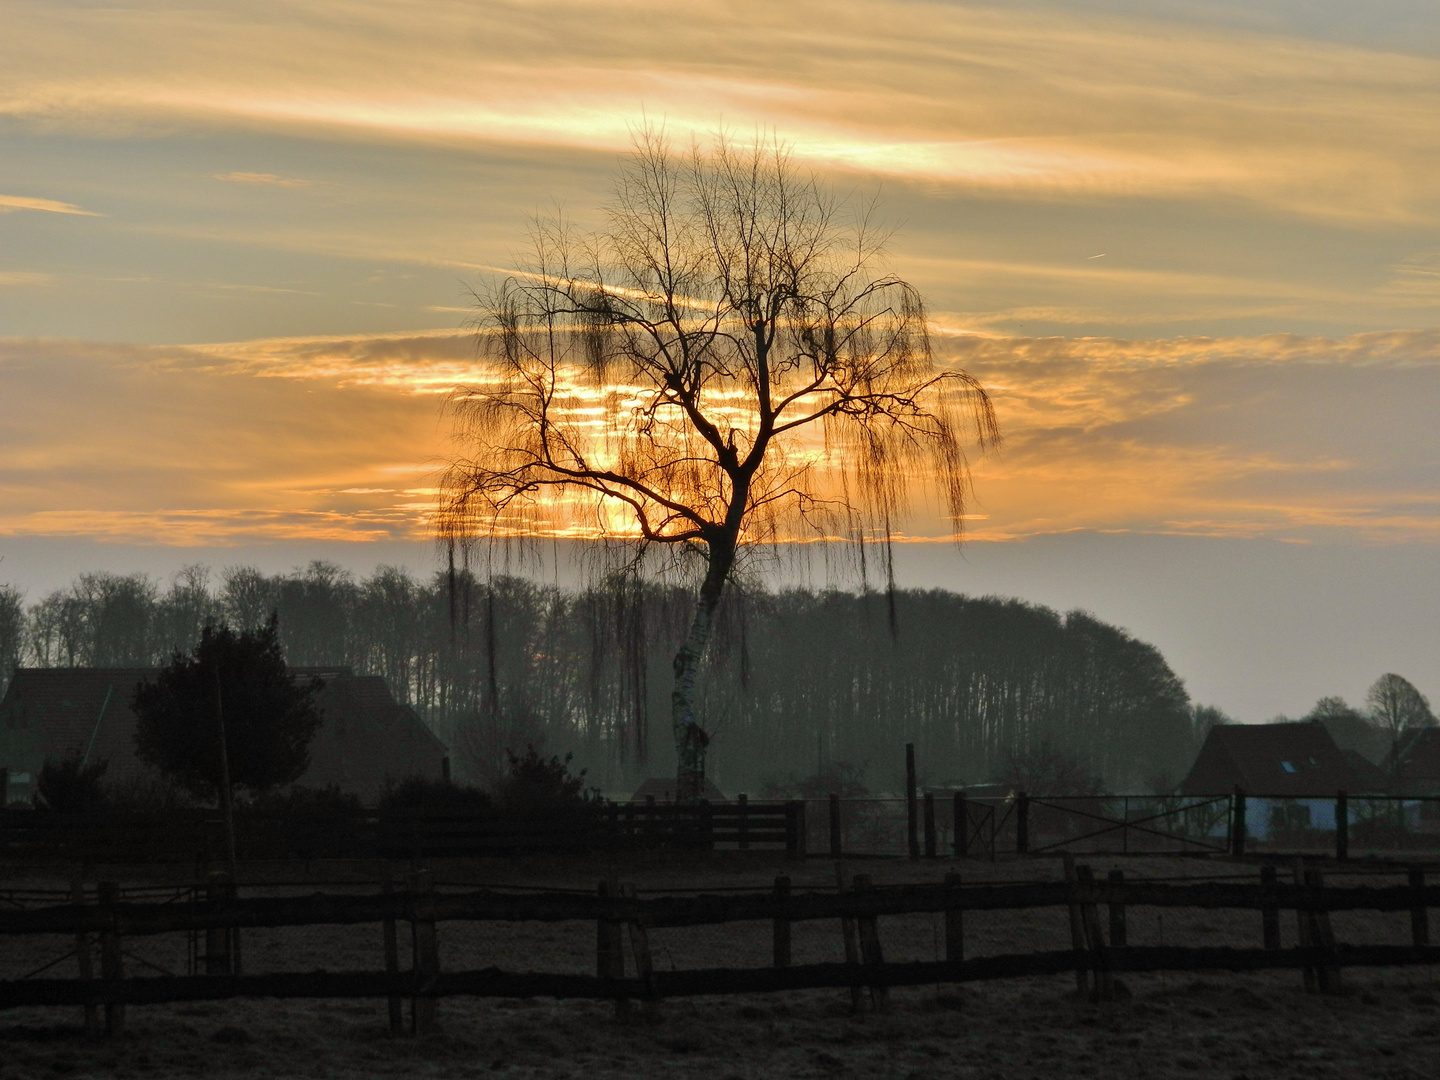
1287 760
663 790
365 736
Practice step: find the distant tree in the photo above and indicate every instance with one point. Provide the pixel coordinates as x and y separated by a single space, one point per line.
1048 769
71 785
12 632
240 678
1350 728
1203 718
1396 707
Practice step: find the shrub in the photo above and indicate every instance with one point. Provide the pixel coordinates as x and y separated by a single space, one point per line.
539 786
423 793
70 786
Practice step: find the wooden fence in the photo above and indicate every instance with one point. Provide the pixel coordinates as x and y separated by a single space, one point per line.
198 836
1099 949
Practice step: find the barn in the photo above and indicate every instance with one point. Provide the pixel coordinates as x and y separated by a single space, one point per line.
366 737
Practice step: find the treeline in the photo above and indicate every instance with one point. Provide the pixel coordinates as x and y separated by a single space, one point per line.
796 681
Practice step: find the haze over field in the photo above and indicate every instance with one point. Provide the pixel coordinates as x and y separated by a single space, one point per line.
1193 250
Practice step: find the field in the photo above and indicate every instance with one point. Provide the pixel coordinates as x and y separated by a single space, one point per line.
1386 1023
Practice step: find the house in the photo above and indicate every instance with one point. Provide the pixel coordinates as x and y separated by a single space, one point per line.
662 788
365 736
1290 773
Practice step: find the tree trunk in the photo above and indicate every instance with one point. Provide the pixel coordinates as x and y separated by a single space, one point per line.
690 738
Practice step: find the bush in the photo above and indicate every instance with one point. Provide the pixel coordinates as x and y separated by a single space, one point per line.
423 793
537 786
147 794
307 804
69 786
841 778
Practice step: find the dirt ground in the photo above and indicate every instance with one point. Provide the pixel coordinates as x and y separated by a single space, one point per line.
1385 1024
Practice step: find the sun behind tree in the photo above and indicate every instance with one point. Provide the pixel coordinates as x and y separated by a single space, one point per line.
724 363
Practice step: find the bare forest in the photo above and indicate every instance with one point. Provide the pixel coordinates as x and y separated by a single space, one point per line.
795 681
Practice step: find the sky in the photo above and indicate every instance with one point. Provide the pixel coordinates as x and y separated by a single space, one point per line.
1191 248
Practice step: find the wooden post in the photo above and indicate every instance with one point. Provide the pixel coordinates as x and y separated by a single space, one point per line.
1095 936
852 944
743 802
425 952
1327 974
1237 824
870 952
83 960
912 823
1269 914
782 924
1119 935
954 920
1419 914
651 826
217 940
802 829
835 837
112 960
707 826
640 947
794 821
392 965
1303 937
1342 826
1077 925
929 825
1022 824
609 951
962 825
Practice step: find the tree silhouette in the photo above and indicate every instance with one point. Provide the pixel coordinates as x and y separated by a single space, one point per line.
1396 706
725 362
235 681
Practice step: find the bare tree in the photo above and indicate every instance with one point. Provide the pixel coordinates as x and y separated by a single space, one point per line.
1396 707
724 363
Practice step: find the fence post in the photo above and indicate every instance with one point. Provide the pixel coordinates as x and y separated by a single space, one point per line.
84 961
847 934
1022 824
426 952
1119 935
1327 973
781 934
835 840
707 826
217 939
954 920
1342 826
870 952
609 949
1077 924
794 829
912 824
743 802
1095 936
1304 925
961 825
112 961
929 825
391 943
1419 914
1237 824
1269 913
640 946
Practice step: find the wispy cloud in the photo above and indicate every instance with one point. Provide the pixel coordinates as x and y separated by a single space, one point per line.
11 203
262 179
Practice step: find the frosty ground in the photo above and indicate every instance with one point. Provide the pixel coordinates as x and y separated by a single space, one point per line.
1386 1023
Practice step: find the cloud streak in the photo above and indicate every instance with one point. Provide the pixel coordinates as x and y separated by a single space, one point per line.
11 203
341 438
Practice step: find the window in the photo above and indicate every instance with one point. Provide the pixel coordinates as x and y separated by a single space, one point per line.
1287 766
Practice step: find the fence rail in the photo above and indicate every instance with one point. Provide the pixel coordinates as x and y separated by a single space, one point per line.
1095 956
